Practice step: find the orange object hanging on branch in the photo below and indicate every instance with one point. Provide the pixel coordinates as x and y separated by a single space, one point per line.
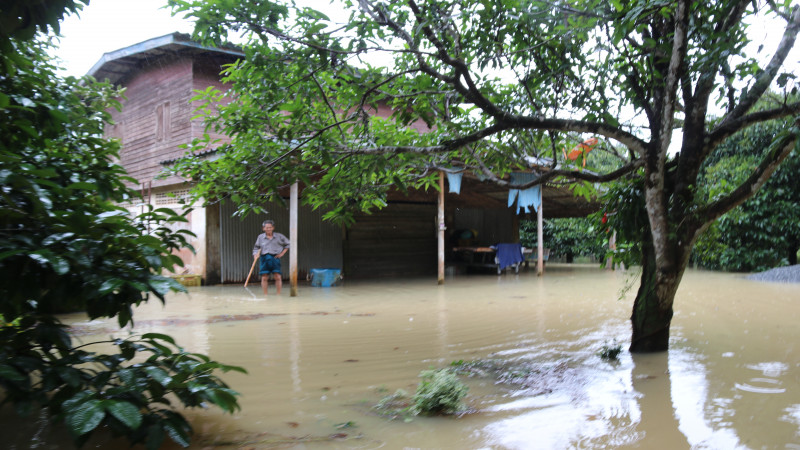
581 149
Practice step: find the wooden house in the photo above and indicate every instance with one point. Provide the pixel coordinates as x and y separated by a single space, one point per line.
160 76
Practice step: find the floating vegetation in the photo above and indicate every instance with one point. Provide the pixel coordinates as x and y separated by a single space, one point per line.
395 406
439 392
343 425
610 351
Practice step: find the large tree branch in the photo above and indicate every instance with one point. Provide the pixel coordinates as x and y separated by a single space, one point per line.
764 80
515 123
696 105
381 17
553 173
728 129
331 109
469 90
778 151
672 79
706 81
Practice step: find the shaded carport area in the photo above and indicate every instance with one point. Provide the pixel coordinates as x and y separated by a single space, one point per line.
409 238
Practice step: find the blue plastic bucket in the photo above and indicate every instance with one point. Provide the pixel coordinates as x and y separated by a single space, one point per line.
325 277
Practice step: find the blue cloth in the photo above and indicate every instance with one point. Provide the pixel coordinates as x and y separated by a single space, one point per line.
269 264
512 195
454 180
526 198
508 254
531 197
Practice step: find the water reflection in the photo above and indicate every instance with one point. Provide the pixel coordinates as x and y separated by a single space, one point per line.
320 360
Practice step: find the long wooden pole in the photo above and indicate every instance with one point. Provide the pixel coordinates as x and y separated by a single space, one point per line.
247 280
293 239
440 228
540 235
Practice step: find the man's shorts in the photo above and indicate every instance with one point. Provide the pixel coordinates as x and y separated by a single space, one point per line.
269 264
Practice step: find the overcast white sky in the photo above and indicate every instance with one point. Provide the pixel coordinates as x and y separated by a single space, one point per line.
108 25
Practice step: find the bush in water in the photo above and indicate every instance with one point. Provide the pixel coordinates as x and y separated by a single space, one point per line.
439 392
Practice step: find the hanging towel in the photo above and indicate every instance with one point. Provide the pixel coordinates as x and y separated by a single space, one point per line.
512 195
526 198
531 197
454 180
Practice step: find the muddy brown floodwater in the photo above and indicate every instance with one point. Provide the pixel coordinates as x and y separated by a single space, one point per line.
319 361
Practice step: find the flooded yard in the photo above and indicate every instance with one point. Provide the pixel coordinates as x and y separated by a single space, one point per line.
318 362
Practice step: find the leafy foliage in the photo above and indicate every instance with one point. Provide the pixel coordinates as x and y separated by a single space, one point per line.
762 233
568 237
129 392
66 246
24 19
610 352
624 213
439 392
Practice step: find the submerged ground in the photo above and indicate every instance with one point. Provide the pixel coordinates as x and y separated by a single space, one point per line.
318 363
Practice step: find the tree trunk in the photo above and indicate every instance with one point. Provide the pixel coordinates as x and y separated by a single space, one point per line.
652 309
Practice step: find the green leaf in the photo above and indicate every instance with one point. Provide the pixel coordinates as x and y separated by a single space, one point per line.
155 437
82 185
110 285
159 336
175 430
85 417
9 373
126 413
159 375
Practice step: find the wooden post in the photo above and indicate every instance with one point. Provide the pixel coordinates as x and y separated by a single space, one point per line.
440 227
540 235
612 245
293 239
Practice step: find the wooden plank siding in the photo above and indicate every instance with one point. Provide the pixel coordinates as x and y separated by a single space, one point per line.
156 116
399 240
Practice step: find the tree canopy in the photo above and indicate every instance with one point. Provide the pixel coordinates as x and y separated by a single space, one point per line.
762 233
481 84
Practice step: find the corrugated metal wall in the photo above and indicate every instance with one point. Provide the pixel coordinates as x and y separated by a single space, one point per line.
319 246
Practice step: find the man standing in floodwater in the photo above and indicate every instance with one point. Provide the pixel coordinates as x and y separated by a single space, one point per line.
270 246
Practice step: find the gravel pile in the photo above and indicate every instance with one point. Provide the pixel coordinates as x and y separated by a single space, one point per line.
790 274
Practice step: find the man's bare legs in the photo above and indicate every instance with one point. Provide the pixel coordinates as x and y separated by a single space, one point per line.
264 283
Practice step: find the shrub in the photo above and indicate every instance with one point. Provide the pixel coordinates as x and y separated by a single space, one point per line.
610 351
439 392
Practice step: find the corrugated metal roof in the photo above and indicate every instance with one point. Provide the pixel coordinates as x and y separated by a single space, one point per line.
119 64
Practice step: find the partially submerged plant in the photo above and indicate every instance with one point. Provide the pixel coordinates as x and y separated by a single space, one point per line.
439 392
610 351
397 401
